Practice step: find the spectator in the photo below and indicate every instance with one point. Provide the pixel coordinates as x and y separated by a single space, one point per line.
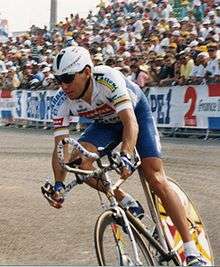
213 65
167 71
119 34
10 80
143 77
198 73
49 80
186 65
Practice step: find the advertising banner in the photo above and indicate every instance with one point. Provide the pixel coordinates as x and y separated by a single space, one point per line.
33 105
6 105
177 106
186 106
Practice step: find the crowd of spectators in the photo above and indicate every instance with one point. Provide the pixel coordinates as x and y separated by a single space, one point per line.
146 40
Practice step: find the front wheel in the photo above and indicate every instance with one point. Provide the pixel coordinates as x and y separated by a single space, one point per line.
196 227
113 246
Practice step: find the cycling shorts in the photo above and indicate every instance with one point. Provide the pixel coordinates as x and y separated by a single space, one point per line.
148 142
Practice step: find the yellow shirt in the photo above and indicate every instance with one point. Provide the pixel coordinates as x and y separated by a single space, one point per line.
185 70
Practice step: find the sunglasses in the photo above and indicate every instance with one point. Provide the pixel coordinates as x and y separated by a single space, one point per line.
211 49
65 78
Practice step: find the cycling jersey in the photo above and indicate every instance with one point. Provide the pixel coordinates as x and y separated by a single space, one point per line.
112 93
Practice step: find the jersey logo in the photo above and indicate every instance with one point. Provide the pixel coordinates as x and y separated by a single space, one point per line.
57 101
101 111
100 78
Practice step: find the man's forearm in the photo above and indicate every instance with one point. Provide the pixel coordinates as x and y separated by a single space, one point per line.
59 172
129 138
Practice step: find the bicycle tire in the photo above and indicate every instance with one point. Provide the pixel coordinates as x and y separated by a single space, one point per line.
104 249
196 227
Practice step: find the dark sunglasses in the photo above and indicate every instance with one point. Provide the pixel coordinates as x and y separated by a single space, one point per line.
211 49
65 78
68 78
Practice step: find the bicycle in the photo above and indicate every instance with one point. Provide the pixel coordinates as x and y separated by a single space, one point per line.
133 242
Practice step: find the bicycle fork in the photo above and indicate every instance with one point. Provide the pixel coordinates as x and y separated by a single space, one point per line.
120 215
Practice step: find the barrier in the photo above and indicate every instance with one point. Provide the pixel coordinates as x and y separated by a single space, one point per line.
186 106
6 107
187 109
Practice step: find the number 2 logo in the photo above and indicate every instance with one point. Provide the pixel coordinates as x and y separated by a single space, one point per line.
189 118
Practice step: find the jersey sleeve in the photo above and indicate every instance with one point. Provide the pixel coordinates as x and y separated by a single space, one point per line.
60 113
118 94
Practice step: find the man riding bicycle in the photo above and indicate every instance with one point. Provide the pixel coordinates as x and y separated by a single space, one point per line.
121 113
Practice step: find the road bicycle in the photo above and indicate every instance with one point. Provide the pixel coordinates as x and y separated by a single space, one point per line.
122 239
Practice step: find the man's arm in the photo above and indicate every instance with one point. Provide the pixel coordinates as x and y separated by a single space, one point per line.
59 172
130 130
129 136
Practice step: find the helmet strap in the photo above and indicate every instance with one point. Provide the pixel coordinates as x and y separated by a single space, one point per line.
85 88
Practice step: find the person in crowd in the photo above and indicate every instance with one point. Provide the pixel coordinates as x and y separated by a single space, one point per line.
143 77
49 80
186 65
167 72
213 64
198 73
11 80
147 27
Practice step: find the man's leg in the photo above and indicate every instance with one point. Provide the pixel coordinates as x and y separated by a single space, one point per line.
124 198
155 175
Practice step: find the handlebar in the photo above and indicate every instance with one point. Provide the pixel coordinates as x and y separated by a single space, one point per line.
83 151
114 162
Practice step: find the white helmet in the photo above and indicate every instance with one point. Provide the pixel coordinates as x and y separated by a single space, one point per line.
71 60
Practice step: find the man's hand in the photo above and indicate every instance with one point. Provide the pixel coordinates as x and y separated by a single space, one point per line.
53 196
127 167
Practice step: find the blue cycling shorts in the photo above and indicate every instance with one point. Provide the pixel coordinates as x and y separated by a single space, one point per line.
148 142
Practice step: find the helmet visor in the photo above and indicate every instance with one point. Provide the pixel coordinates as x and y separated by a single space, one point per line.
65 78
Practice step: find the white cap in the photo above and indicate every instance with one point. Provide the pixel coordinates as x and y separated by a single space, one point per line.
206 21
34 81
194 43
126 54
185 19
46 69
176 25
197 3
211 13
13 68
27 42
203 54
176 33
71 60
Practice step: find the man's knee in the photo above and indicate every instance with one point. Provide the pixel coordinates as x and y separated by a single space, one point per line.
155 175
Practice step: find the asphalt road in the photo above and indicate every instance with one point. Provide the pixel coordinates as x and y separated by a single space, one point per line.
33 233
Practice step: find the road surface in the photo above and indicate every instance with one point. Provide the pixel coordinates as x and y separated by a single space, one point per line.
33 233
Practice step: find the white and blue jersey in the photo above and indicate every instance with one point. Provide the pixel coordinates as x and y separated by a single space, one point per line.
112 93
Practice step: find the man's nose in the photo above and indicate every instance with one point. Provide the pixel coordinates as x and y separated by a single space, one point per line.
65 86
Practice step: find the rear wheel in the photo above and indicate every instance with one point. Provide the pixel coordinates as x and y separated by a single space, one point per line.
113 246
196 227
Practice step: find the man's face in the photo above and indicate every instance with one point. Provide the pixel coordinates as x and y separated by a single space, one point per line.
75 88
212 52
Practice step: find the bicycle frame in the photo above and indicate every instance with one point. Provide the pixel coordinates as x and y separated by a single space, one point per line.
120 213
152 209
160 246
101 173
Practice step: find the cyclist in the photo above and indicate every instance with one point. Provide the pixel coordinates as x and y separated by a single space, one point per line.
121 113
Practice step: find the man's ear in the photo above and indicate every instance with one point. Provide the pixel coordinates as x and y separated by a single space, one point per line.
88 71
